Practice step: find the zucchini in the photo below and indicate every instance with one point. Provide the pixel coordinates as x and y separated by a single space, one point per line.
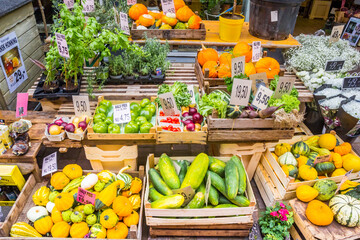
231 179
159 183
198 201
169 202
196 172
242 174
223 200
168 172
154 195
217 166
213 193
226 206
183 169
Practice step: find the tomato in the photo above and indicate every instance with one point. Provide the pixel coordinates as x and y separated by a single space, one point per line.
146 113
144 102
135 107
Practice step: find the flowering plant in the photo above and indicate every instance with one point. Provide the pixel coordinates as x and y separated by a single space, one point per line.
276 222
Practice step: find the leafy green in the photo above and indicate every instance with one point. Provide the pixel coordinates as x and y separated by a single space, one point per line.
229 81
215 100
289 102
180 91
273 84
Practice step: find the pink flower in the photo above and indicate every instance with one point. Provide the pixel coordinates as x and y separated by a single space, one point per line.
282 205
283 212
274 214
283 218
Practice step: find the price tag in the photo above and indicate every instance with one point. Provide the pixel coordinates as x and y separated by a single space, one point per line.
256 51
257 79
351 83
237 66
168 104
62 45
274 16
124 23
85 197
336 33
49 164
122 113
131 2
22 104
262 97
321 159
187 192
333 66
88 6
285 86
168 6
344 179
69 3
240 92
81 105
207 189
192 93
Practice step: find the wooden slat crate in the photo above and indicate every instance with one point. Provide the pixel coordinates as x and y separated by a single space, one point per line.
168 34
166 222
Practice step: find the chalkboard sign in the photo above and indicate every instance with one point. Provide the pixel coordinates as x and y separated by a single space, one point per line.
351 83
332 66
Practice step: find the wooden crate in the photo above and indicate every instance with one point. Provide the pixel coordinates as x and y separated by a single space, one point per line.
168 34
165 222
166 137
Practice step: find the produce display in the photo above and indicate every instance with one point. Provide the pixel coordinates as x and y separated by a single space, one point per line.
76 125
59 212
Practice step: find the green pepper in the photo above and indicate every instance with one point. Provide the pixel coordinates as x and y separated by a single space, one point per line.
144 102
140 120
109 120
135 107
99 117
131 127
100 127
146 113
151 108
106 103
113 128
101 109
134 115
145 128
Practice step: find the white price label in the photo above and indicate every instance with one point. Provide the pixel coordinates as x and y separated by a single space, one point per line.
336 33
69 3
122 113
256 51
168 104
49 164
62 45
192 93
257 79
237 66
168 6
240 92
81 105
88 6
285 86
262 97
274 16
131 2
207 189
124 23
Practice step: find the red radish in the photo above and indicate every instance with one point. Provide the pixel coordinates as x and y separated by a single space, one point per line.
190 127
192 111
83 125
70 128
197 118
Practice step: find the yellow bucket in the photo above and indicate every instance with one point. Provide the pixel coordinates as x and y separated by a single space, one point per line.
230 29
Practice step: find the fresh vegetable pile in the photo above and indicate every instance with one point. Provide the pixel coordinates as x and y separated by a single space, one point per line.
58 213
180 91
228 183
60 125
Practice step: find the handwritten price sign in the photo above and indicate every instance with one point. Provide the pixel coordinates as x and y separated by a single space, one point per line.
256 51
333 66
187 192
85 197
284 86
124 23
192 93
122 113
81 105
262 97
237 66
88 6
168 104
351 83
22 104
69 3
336 33
49 164
240 92
168 6
62 45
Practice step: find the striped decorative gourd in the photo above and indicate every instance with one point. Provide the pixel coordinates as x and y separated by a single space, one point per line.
126 178
300 148
346 210
22 229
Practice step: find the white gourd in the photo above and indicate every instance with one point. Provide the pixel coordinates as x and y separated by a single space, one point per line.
287 158
36 212
89 181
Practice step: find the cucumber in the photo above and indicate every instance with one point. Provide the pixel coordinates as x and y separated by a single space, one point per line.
242 174
168 172
196 172
201 188
159 183
198 201
213 194
226 206
169 202
231 179
223 200
154 195
217 166
241 201
183 170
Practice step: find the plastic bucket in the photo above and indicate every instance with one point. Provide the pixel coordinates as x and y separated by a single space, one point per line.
230 29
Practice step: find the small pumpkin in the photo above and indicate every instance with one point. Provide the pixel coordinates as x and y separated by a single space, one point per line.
224 71
312 156
184 13
336 159
137 10
169 20
194 22
249 69
136 185
212 66
326 189
120 231
302 160
64 201
124 177
146 20
324 168
343 148
350 161
60 230
178 4
108 218
207 54
97 231
327 141
79 230
43 225
135 201
59 180
346 210
72 171
56 215
225 58
321 151
156 14
41 196
307 173
36 212
290 170
287 158
268 65
106 176
165 26
300 148
132 219
243 49
122 206
306 193
282 148
338 172
319 213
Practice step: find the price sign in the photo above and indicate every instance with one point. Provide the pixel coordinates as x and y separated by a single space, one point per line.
262 97
333 66
207 189
187 192
88 6
122 113
62 45
351 83
257 79
344 179
22 104
85 197
81 105
321 159
131 2
168 104
256 51
192 93
49 164
336 33
168 6
285 86
69 3
124 23
274 16
237 66
240 92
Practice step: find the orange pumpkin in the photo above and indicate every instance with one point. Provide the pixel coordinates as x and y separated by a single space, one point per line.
156 14
178 4
146 20
268 65
225 58
194 22
243 49
249 69
126 193
137 10
122 206
212 66
79 230
184 13
120 231
136 185
224 70
168 20
56 215
132 219
59 180
207 54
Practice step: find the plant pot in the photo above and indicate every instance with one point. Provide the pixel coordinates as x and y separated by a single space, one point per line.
52 87
158 79
70 87
230 27
129 79
115 79
144 79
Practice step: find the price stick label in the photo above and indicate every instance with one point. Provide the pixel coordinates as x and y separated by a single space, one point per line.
192 93
321 159
333 66
336 33
116 16
285 86
262 97
240 92
88 6
124 23
207 189
177 166
69 3
237 66
344 179
131 2
62 45
257 79
351 83
22 104
187 192
49 164
85 197
274 16
168 104
122 113
168 6
81 105
256 51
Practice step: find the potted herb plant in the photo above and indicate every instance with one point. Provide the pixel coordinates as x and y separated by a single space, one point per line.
51 83
116 68
129 75
144 71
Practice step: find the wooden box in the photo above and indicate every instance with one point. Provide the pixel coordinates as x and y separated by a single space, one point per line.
167 222
168 34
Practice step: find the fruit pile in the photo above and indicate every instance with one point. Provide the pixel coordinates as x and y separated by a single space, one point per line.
184 18
301 160
228 183
77 125
58 213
